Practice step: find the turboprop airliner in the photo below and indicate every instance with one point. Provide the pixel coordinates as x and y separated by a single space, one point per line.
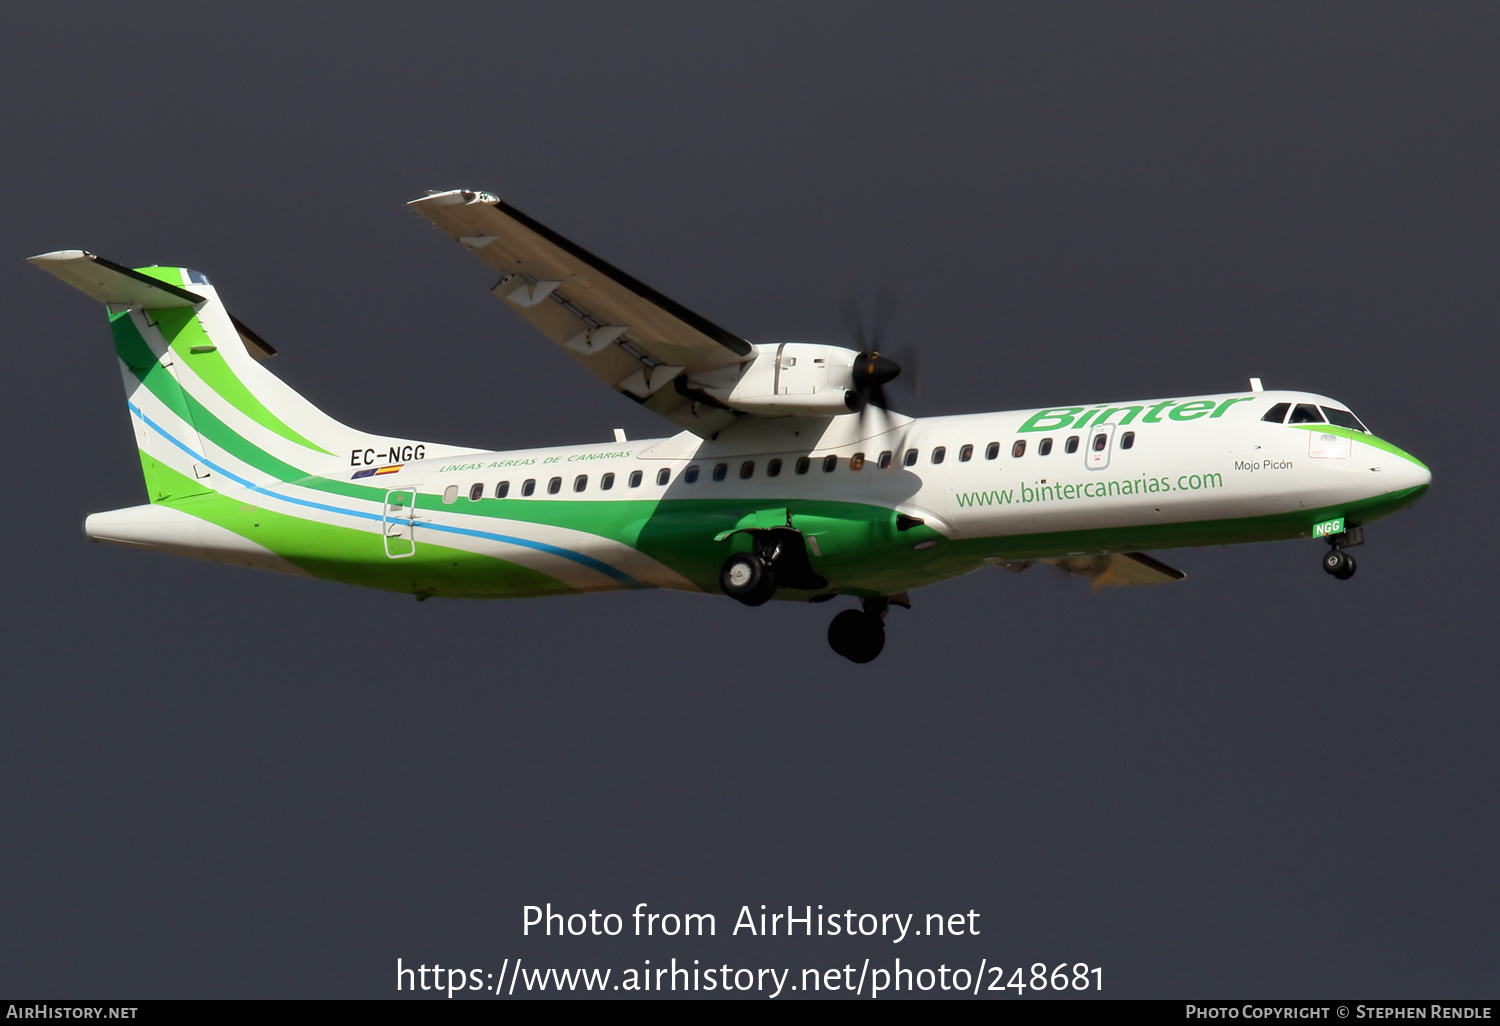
788 477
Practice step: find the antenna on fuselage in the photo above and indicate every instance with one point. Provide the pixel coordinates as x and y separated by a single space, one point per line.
1256 386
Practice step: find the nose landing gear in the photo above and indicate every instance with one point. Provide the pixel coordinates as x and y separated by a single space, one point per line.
1338 562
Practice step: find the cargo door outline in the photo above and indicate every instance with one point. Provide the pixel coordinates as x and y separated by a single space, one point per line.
398 522
1095 452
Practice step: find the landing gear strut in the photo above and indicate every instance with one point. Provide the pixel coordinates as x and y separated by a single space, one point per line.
1338 562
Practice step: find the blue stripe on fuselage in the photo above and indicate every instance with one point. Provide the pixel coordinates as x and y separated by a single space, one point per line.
555 550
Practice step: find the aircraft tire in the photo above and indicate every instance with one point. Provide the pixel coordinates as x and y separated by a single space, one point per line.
1339 563
856 635
746 579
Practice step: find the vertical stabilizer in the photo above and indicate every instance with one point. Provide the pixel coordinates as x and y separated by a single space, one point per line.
208 415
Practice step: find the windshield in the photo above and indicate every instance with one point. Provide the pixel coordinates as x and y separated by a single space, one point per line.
1344 419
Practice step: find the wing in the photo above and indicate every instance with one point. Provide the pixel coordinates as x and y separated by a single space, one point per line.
1118 569
627 334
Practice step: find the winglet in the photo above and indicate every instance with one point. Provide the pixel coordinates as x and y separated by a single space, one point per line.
111 283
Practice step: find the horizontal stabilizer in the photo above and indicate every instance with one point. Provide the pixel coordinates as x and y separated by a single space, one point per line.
1118 569
109 282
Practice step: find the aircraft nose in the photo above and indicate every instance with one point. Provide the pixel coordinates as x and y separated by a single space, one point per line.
1413 474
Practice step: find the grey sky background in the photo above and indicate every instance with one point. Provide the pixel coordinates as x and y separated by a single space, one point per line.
1260 782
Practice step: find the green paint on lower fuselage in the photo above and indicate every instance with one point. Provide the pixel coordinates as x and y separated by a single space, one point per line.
856 542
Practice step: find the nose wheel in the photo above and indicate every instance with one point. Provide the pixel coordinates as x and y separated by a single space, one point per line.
1336 561
1339 563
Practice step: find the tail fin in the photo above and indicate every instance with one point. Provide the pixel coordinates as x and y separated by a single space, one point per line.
207 415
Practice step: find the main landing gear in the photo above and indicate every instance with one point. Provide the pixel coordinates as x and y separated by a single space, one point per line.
779 559
859 634
747 578
1338 562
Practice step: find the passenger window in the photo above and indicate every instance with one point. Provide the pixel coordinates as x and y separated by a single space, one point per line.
476 491
1019 449
450 494
992 450
1344 419
802 464
966 454
885 460
857 461
1044 447
554 486
1306 413
580 482
529 486
1277 413
938 453
663 476
606 482
773 469
1127 440
747 470
721 471
910 459
502 489
1072 445
1100 441
829 462
635 479
691 477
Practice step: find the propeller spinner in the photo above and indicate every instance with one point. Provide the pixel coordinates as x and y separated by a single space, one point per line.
871 373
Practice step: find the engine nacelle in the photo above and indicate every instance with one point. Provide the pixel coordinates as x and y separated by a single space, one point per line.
785 379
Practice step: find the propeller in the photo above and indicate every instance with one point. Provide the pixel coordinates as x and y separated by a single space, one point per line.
872 370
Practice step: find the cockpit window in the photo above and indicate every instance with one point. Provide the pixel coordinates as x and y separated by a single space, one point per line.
1344 419
1277 413
1306 413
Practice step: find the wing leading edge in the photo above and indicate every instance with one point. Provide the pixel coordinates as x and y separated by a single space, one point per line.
631 337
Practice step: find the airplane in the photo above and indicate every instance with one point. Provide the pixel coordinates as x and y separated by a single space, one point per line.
790 477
